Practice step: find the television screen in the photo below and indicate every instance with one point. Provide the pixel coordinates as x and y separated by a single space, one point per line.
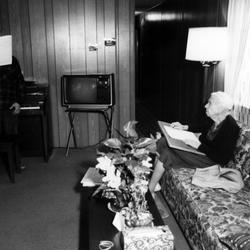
81 90
88 91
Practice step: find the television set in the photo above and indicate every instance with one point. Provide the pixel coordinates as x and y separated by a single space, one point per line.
91 91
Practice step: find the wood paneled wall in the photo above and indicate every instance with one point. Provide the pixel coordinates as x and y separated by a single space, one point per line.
51 37
171 87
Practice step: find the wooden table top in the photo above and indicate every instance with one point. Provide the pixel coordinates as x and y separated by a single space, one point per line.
96 221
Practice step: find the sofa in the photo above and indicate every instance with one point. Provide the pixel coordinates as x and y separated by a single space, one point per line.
212 218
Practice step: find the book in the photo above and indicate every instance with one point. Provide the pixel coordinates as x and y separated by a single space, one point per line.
175 138
92 178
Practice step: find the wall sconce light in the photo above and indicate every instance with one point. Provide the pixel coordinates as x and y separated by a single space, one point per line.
5 50
109 41
93 47
207 45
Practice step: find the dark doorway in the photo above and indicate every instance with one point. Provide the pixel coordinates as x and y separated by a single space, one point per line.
168 87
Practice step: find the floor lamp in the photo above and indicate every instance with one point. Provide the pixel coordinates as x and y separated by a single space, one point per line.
207 45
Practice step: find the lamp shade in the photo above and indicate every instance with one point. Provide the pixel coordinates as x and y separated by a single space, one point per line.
5 50
207 44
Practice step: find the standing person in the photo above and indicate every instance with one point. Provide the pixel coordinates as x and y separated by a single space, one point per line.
217 141
11 96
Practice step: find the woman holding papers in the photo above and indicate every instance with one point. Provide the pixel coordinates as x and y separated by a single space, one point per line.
217 140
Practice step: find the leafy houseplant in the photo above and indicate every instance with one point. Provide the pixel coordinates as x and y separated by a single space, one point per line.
126 166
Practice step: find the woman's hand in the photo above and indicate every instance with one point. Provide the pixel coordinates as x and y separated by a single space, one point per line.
197 134
16 108
194 144
178 125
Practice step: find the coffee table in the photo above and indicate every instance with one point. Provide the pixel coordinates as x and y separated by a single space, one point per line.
96 221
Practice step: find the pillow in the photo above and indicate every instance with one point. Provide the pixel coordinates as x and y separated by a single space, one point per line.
241 159
240 241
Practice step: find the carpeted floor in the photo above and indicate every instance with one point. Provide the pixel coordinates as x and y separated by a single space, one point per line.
41 210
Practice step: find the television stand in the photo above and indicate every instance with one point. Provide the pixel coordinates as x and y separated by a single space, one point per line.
106 112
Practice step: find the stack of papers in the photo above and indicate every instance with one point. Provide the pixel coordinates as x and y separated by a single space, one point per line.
176 138
92 178
180 134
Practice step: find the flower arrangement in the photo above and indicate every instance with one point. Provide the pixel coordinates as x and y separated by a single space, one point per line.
126 166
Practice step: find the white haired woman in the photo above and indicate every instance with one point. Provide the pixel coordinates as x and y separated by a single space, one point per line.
217 140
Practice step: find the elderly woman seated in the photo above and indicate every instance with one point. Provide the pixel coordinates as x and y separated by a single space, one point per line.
217 140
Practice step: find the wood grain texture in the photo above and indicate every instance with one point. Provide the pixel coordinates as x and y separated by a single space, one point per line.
91 59
132 60
38 40
124 60
101 67
15 30
53 94
26 38
170 87
51 37
110 31
4 18
78 61
62 55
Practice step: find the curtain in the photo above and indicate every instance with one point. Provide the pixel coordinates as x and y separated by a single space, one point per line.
237 67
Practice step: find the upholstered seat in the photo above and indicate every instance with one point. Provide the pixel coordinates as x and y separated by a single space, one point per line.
212 218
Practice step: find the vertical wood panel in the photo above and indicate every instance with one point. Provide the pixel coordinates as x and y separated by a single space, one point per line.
4 18
38 40
219 72
61 33
26 41
49 26
15 30
132 59
101 68
78 62
91 38
124 60
219 77
110 7
171 87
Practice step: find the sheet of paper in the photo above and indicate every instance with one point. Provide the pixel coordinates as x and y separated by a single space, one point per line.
119 222
176 141
180 134
91 178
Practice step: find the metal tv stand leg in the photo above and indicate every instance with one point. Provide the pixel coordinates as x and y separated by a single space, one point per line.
108 120
71 116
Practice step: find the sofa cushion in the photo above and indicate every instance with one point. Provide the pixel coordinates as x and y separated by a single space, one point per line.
205 214
241 160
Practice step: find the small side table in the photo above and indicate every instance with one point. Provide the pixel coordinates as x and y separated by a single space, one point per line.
96 221
107 114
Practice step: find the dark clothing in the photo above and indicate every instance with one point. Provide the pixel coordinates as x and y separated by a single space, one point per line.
11 91
11 84
218 145
174 158
8 123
